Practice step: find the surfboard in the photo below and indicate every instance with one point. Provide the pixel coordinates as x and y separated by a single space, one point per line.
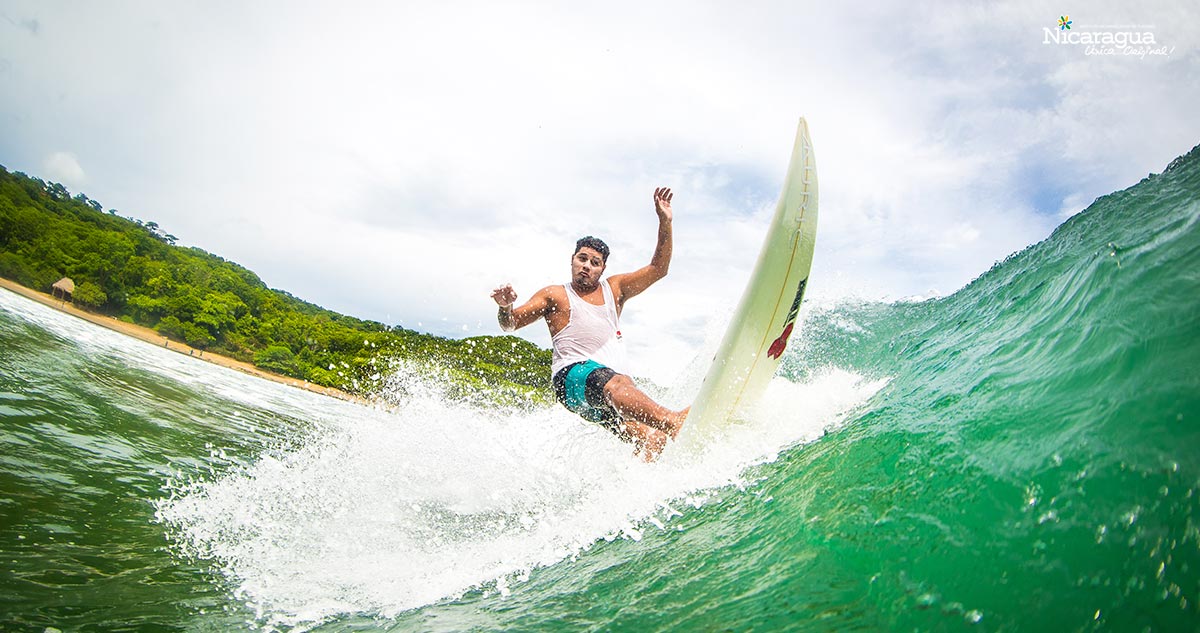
765 318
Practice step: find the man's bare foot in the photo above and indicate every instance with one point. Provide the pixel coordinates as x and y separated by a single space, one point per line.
676 422
647 441
652 448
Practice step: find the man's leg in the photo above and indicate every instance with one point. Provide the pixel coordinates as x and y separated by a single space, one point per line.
635 405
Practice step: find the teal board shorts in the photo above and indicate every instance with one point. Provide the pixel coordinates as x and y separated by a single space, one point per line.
580 388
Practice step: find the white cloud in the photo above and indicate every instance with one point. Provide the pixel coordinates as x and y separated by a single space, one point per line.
396 161
63 167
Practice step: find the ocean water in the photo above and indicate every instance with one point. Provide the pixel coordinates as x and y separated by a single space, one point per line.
1021 455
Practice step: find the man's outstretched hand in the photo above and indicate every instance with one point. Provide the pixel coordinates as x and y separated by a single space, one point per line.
504 295
662 203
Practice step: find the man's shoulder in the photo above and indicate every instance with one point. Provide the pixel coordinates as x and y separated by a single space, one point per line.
614 283
556 294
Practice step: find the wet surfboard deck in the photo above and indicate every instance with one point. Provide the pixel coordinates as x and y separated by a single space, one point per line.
765 318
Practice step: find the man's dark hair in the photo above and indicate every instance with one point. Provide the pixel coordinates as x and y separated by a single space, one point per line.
594 243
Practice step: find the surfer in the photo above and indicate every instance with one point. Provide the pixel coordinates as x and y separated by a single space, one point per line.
586 337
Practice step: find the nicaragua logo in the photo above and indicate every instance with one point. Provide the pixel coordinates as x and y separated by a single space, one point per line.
1134 40
780 344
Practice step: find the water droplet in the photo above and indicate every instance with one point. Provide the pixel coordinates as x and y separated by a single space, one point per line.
1031 495
974 616
1130 517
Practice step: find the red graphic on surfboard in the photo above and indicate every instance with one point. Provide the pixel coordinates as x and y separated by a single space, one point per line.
780 344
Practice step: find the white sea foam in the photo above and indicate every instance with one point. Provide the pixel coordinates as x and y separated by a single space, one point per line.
393 509
378 510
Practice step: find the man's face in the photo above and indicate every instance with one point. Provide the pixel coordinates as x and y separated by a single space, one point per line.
586 267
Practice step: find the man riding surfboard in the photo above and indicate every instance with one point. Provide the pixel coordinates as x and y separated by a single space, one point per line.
583 317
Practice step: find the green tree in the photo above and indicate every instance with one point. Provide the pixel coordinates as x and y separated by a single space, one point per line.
13 266
276 358
220 311
88 295
197 336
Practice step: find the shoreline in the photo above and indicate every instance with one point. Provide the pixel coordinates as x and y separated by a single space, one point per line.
154 338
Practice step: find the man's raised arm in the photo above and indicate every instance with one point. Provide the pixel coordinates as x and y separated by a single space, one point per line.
632 284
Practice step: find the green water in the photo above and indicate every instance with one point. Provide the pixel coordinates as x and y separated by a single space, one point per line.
1030 462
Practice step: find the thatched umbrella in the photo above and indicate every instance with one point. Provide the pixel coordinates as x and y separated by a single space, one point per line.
63 288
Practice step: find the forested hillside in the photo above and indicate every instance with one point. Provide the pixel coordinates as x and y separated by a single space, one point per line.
132 270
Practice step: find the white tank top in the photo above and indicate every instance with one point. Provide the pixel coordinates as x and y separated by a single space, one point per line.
592 333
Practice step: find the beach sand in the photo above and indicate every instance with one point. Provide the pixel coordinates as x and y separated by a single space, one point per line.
150 336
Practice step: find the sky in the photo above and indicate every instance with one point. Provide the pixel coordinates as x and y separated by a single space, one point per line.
397 160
